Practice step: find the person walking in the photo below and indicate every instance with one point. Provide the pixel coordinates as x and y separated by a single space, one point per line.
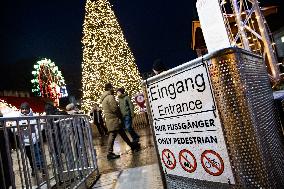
25 110
113 121
98 120
127 111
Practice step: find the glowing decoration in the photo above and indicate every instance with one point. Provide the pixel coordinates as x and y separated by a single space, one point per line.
140 101
7 109
48 81
106 55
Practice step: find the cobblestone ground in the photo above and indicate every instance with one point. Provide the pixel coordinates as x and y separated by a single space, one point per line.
140 166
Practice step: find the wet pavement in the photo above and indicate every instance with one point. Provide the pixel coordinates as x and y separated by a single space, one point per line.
139 178
115 172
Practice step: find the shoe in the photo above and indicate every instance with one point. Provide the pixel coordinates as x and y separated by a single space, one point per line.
135 147
111 156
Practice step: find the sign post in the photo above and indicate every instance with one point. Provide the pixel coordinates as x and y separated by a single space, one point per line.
215 125
186 125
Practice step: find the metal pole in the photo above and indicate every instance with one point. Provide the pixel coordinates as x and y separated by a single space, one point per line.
240 24
272 60
151 123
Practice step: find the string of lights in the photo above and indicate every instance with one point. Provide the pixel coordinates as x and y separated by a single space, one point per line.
106 55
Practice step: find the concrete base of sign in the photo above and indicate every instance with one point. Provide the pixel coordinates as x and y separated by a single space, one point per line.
185 183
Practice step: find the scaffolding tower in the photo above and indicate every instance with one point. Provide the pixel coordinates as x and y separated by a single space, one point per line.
248 29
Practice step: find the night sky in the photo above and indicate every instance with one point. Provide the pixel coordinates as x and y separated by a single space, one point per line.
32 29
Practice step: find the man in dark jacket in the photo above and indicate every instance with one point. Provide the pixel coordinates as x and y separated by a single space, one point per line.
127 111
113 121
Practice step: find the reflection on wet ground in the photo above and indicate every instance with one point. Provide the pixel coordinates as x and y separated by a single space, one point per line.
137 170
128 159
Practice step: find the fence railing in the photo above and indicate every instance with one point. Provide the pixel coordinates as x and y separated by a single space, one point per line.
46 152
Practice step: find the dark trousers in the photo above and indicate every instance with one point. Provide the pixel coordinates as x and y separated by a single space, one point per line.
102 129
38 156
128 126
112 136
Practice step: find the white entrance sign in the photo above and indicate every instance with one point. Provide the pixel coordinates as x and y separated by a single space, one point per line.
212 25
187 126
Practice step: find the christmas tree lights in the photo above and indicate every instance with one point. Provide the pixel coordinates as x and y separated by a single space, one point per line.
106 55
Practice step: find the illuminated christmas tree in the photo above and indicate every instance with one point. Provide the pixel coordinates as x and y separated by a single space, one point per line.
106 55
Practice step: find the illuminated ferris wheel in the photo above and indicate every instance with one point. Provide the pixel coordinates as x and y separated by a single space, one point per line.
48 81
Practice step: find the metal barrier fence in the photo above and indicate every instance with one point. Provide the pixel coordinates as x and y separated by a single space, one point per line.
140 121
46 152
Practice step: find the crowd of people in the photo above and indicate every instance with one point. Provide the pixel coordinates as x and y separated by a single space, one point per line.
113 119
28 139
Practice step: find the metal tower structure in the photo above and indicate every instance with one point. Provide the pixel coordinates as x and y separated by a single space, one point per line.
247 29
